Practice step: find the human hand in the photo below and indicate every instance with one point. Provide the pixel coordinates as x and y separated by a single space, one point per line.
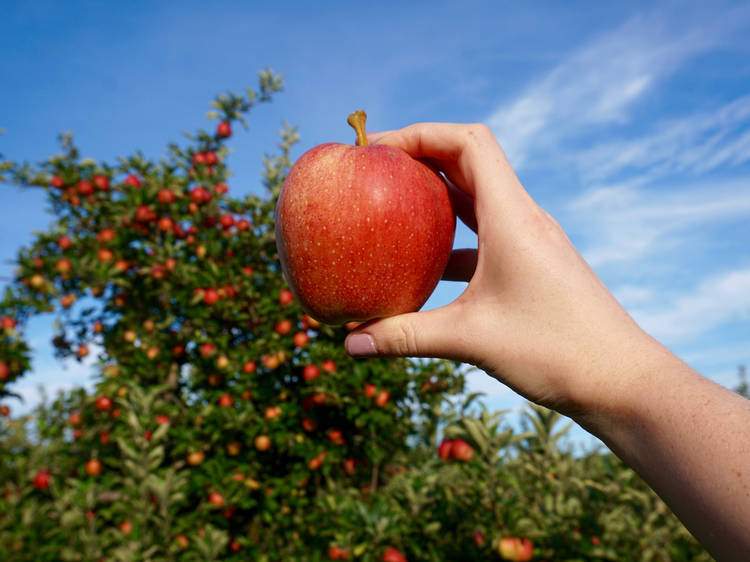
534 314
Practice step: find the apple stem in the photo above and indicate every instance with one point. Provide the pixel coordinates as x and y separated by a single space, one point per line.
357 121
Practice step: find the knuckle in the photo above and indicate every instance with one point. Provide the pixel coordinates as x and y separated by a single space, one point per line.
479 131
405 340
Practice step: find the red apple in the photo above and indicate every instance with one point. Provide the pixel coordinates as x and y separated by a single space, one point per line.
165 196
83 351
126 527
93 467
335 436
513 548
227 221
444 451
310 372
133 181
85 187
105 255
317 461
391 554
64 242
382 399
199 195
363 231
216 499
103 403
144 214
225 400
224 129
195 458
210 296
461 450
337 553
42 480
7 323
370 390
262 442
101 182
63 266
36 281
286 297
105 235
207 349
272 412
165 224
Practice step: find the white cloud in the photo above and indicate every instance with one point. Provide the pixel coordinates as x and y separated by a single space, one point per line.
628 223
717 300
594 86
697 144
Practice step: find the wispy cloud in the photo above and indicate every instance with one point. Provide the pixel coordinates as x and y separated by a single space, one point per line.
717 300
694 144
625 222
593 86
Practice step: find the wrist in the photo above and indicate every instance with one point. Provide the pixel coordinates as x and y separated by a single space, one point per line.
617 388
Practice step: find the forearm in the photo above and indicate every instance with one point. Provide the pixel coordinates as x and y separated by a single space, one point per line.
689 438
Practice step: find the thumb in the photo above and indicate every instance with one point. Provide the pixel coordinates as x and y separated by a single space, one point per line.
432 333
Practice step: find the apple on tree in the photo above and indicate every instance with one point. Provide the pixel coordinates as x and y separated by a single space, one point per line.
42 480
392 554
514 548
363 231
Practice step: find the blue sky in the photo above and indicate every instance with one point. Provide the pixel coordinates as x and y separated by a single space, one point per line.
628 122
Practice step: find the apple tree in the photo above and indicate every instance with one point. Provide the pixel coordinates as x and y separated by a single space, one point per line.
221 413
224 423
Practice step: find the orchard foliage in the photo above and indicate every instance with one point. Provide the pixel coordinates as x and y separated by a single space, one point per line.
226 424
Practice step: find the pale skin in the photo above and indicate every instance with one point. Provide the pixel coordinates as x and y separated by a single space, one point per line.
536 317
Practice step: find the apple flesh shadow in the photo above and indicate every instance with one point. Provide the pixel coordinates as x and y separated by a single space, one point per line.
363 231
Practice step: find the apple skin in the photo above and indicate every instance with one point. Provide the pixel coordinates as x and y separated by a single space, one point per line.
363 232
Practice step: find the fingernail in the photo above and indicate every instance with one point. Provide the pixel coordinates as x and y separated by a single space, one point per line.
361 345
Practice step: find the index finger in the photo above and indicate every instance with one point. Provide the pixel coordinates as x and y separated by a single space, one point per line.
468 154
